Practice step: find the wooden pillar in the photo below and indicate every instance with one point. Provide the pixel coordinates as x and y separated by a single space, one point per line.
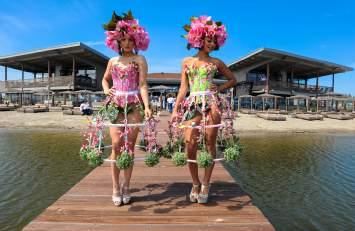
5 72
263 103
49 79
317 87
326 105
286 104
333 82
275 101
251 103
267 77
307 102
291 81
73 74
317 105
22 83
306 81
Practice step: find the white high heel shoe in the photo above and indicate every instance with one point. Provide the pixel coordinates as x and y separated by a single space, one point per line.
194 192
203 198
117 199
126 196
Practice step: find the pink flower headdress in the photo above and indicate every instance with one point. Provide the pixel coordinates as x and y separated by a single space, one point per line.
118 26
202 27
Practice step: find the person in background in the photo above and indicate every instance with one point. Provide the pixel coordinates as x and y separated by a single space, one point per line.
170 101
85 108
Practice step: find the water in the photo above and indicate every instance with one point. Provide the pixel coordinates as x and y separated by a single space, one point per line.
36 168
300 182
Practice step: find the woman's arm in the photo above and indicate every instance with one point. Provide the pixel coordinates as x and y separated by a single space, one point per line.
184 86
143 86
106 80
224 70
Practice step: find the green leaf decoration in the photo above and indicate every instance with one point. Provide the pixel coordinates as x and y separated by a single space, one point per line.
124 161
115 18
179 159
193 18
219 23
204 159
94 158
187 27
151 159
109 26
128 15
84 153
231 154
209 22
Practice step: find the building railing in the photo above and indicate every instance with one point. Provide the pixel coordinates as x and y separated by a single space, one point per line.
57 81
286 86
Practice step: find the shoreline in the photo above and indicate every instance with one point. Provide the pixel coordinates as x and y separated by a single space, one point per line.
244 124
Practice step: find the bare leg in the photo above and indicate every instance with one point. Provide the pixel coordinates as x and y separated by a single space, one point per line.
211 136
117 143
133 117
191 141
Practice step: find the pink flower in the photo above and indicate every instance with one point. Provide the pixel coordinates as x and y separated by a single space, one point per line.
200 29
133 29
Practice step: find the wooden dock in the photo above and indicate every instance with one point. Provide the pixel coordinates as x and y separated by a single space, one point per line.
159 202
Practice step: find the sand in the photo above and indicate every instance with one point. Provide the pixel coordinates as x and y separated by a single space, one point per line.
244 123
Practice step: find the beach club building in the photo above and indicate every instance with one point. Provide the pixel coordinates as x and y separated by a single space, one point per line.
76 68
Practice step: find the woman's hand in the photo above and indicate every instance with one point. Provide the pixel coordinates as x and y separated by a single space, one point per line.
173 115
214 88
110 92
147 113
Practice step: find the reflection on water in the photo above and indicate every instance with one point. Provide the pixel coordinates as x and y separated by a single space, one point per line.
301 182
36 168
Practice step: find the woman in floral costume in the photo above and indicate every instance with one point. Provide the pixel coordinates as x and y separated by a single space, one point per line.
129 94
200 114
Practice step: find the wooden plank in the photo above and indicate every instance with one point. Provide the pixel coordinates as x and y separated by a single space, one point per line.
159 202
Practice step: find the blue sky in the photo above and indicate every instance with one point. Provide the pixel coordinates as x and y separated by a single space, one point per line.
319 29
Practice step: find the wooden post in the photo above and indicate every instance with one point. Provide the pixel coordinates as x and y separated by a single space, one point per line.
306 81
73 74
239 103
317 105
291 82
251 103
263 103
267 77
22 82
317 85
49 79
6 77
287 104
333 82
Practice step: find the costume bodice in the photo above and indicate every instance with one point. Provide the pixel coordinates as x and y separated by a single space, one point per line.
200 77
